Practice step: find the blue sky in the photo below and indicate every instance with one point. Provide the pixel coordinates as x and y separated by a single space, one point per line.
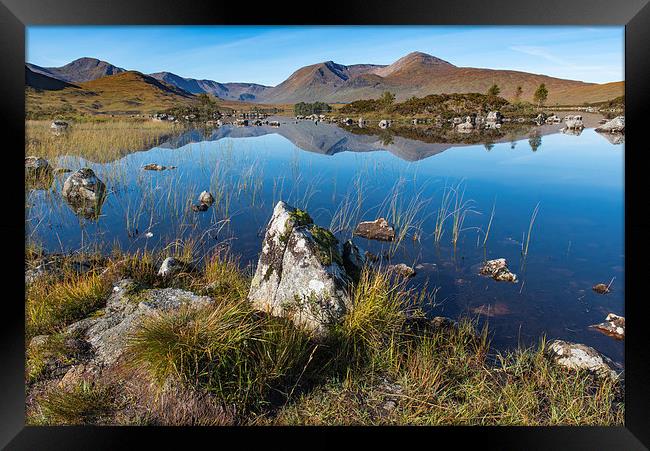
269 54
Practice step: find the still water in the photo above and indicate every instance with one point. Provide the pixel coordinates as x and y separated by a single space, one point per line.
340 178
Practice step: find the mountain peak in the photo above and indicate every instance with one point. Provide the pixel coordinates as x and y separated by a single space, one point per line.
414 61
423 58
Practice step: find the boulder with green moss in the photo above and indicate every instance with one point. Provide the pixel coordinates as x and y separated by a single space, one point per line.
301 273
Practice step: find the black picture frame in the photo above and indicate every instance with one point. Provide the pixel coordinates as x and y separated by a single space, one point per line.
633 14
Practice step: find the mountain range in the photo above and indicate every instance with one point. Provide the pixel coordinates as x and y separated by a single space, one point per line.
416 74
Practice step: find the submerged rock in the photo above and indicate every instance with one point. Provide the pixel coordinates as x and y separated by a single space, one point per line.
616 125
154 167
498 270
580 357
601 288
300 274
378 229
614 326
402 269
199 207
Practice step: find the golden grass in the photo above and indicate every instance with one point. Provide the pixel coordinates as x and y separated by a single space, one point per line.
384 364
100 142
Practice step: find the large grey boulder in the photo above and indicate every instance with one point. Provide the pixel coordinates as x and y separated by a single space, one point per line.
581 357
84 193
300 274
616 125
83 185
108 334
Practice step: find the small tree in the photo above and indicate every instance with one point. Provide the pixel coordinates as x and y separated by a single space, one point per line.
494 90
518 93
387 98
541 93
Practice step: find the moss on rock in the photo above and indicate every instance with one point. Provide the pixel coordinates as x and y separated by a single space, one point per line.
327 249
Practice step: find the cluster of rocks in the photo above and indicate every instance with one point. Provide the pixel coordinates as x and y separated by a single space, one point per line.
493 120
163 117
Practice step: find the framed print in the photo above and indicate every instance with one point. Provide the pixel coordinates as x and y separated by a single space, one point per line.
415 215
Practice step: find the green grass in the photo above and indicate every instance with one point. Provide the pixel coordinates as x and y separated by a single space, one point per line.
81 404
228 364
52 304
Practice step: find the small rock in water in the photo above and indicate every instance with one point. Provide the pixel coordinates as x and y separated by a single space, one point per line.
498 270
378 229
206 198
402 270
614 326
601 288
153 167
200 207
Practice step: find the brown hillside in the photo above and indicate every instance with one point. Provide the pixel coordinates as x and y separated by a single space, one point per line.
127 92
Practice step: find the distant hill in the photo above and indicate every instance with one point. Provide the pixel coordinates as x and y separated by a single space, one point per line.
126 92
79 70
587 94
42 82
247 92
416 74
419 74
321 81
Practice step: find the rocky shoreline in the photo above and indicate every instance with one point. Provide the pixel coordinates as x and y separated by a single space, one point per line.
304 276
